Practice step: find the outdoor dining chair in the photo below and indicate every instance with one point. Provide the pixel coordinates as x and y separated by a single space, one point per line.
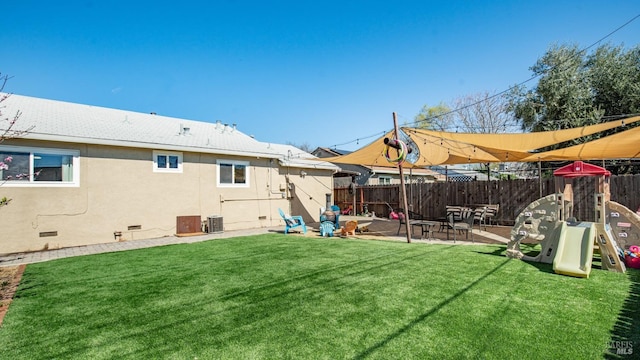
479 216
463 225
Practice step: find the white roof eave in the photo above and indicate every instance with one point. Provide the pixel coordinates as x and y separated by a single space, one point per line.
145 145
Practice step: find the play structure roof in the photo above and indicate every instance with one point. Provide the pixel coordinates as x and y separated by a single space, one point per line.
443 148
579 168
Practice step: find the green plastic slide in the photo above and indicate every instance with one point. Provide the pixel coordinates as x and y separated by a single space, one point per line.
575 250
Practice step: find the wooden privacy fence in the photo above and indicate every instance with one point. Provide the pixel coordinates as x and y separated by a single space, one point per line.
430 199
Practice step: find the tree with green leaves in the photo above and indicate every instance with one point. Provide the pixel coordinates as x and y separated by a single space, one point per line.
615 78
576 89
437 117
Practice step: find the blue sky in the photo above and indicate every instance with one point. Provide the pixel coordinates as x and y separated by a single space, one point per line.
321 73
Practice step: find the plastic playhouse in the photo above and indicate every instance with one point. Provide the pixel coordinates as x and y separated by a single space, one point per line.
570 244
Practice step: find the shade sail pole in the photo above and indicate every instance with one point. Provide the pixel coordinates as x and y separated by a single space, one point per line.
540 178
403 189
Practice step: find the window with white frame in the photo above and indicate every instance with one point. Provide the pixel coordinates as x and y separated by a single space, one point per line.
167 161
27 166
384 180
233 173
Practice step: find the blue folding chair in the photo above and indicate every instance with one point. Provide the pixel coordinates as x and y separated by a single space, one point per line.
292 222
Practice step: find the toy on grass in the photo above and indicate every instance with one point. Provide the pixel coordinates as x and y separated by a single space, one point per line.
394 215
632 262
349 228
632 257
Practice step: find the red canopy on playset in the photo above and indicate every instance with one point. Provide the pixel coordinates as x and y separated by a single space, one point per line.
579 168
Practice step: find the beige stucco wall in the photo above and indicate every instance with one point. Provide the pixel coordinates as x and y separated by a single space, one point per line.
118 188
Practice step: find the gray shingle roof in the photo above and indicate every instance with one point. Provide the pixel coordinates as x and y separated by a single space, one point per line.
69 122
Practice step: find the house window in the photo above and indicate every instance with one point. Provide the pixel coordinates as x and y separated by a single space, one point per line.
165 161
233 173
23 166
384 180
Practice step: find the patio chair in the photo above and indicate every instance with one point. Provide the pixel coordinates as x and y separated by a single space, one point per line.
414 219
455 210
464 225
327 228
479 216
451 210
402 218
416 216
292 222
492 210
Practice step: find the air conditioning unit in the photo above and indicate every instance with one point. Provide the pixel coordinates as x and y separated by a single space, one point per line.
214 224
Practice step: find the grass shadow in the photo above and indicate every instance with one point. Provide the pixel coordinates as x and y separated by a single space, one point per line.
501 252
625 336
546 268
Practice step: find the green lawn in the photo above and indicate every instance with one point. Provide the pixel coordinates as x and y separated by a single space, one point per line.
276 296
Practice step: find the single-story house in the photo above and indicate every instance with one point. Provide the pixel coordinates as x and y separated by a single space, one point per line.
84 174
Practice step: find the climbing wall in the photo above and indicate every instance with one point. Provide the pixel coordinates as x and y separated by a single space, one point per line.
539 223
625 225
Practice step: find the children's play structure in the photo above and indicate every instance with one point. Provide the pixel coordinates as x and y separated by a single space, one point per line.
567 243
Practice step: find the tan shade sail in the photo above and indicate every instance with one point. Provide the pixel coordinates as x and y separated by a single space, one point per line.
482 148
524 142
443 151
623 145
439 151
370 155
440 148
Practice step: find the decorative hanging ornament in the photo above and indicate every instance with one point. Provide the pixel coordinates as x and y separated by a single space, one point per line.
401 148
